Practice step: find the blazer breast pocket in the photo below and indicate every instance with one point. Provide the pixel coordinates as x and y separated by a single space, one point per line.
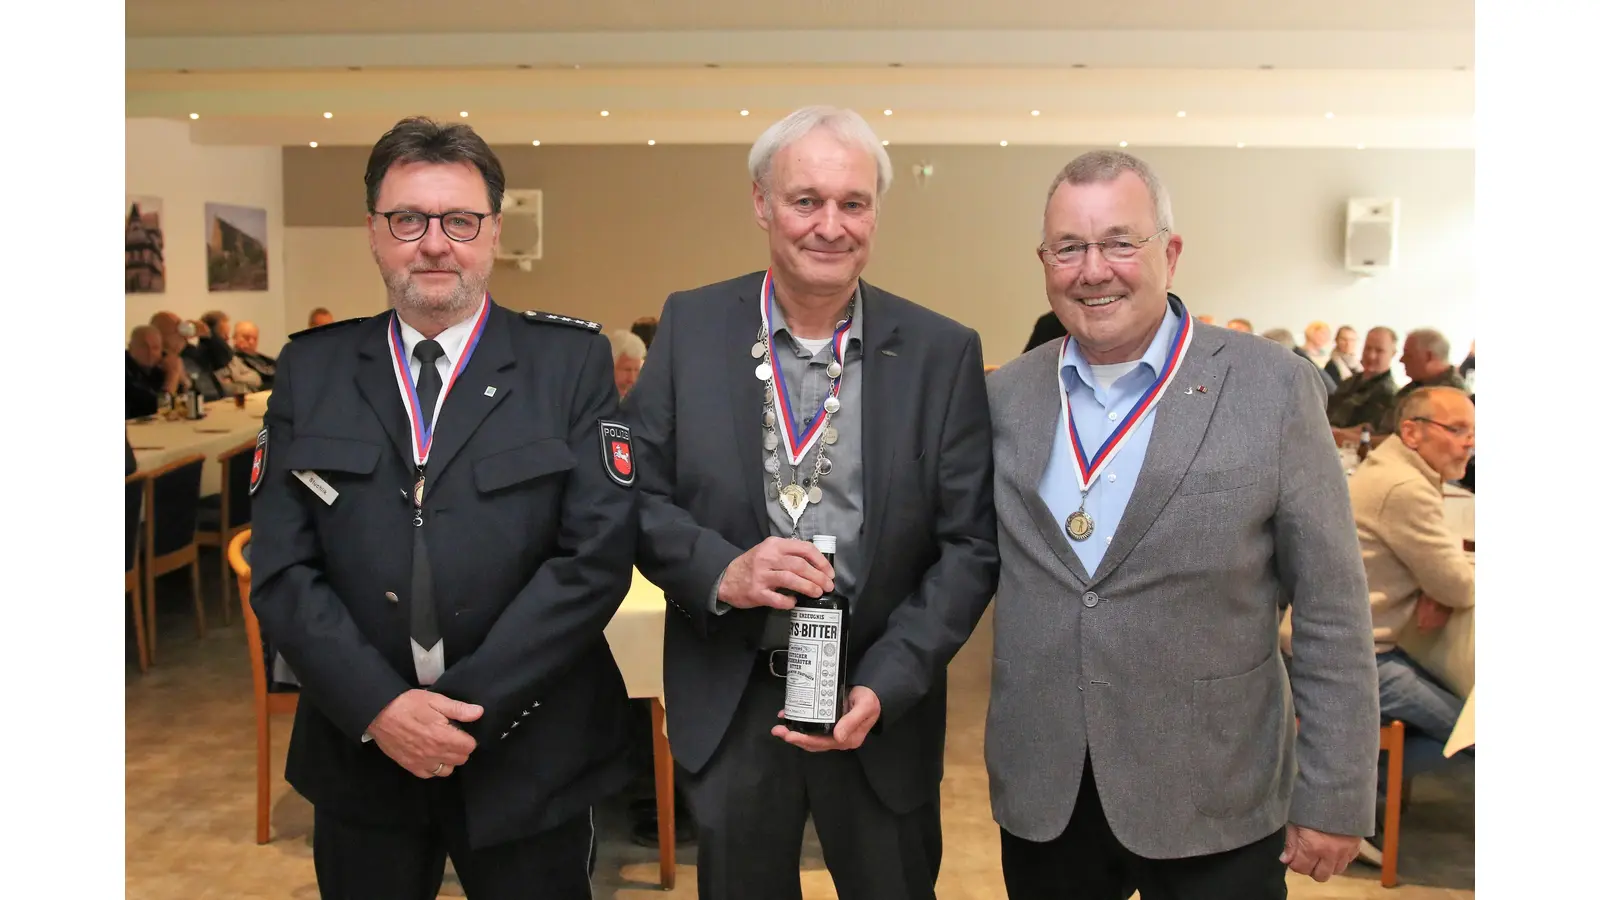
522 465
1215 482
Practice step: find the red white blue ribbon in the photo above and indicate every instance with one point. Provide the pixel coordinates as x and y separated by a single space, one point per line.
422 434
797 442
1089 468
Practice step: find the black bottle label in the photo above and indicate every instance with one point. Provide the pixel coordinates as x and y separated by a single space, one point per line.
816 664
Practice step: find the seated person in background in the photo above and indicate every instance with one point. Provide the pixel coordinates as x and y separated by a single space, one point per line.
1045 330
212 343
1366 397
1426 359
1344 362
246 341
645 328
1283 338
1319 345
319 317
1242 325
627 358
1469 368
1207 320
149 374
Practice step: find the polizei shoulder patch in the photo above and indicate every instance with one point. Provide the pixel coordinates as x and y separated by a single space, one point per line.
616 451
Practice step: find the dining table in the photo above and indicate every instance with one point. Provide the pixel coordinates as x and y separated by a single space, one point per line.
158 440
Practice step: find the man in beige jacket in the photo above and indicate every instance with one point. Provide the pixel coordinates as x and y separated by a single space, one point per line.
1415 565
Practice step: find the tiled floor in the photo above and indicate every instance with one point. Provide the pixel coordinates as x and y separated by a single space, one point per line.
191 795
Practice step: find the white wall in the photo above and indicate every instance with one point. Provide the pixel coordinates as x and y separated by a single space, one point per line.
161 162
331 267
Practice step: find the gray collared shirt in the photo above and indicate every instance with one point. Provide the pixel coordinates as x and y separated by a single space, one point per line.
843 489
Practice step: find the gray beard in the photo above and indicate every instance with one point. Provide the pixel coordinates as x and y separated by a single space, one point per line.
406 296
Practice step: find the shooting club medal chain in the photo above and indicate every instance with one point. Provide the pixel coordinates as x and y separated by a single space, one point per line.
1079 525
778 415
422 431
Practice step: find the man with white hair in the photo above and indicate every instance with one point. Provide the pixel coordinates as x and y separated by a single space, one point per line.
798 403
627 358
1426 359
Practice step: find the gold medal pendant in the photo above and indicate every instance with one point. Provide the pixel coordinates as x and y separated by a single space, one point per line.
1079 526
793 499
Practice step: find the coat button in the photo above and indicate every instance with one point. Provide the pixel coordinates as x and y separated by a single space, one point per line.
1090 599
389 596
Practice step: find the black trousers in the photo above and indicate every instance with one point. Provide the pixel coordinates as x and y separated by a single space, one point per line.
751 801
359 861
1087 862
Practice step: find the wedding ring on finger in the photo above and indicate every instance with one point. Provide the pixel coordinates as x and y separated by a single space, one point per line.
439 768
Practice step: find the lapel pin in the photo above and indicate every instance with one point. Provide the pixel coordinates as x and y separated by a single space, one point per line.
489 391
1201 388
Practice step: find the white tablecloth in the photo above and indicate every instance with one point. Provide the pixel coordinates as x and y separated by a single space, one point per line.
157 442
635 636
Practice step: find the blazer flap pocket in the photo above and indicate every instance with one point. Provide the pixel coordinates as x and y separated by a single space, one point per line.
1225 480
524 463
328 454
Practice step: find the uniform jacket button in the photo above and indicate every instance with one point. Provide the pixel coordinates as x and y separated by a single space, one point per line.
390 596
1090 599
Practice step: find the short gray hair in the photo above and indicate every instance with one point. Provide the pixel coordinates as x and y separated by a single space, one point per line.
626 343
846 124
1431 340
1100 166
1419 403
1280 336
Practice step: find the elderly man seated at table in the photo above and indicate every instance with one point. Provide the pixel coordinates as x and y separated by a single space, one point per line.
246 347
149 374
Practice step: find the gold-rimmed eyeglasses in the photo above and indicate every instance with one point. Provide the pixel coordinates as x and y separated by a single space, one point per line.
1118 248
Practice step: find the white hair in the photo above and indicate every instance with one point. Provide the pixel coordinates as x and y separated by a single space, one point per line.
1431 340
626 343
1100 166
846 124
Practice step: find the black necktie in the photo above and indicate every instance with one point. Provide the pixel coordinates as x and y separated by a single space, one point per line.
424 618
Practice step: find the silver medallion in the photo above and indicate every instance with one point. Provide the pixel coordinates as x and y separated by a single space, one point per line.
834 369
769 441
769 418
831 404
771 465
772 491
830 435
757 351
764 372
815 494
824 466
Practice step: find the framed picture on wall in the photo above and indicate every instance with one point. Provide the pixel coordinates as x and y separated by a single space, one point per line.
145 260
236 248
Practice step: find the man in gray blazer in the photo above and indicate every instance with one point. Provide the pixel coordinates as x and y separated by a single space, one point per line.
1160 486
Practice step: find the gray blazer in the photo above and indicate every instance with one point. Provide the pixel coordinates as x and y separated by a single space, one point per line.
1165 663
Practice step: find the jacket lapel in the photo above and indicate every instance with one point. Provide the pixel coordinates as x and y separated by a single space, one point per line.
469 403
1039 419
886 389
375 377
742 328
1181 419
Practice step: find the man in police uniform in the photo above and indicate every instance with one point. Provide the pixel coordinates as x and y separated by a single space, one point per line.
444 524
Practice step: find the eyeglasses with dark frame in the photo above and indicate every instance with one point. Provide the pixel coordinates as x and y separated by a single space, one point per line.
1119 248
458 225
1459 431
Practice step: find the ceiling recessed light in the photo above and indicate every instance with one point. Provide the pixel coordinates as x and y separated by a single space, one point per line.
1361 146
1327 115
327 115
536 143
463 114
888 112
605 112
576 66
1033 112
651 143
744 112
1182 114
1002 143
1122 143
194 115
313 143
886 143
1239 145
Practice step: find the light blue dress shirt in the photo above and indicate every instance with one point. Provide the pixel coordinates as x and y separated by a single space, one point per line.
1096 410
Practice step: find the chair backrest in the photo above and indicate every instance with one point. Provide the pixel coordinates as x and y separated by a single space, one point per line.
236 464
133 486
175 504
262 655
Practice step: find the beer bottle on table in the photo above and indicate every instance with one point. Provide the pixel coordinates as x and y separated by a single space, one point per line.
819 641
1365 446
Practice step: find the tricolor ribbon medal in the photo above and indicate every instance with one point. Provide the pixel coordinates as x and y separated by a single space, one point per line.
421 432
798 440
1088 468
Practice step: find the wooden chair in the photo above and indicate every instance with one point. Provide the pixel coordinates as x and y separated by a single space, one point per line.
666 797
135 486
228 513
1392 740
171 503
270 698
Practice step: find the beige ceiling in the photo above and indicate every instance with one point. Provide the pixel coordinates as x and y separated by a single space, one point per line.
1395 73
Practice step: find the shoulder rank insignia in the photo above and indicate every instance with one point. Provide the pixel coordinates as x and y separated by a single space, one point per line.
534 315
328 327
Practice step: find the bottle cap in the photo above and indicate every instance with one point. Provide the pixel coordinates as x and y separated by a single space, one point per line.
824 542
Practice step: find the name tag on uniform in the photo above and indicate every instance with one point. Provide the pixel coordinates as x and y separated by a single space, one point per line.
319 487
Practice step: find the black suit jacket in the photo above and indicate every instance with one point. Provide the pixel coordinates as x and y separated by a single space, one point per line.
929 555
531 545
